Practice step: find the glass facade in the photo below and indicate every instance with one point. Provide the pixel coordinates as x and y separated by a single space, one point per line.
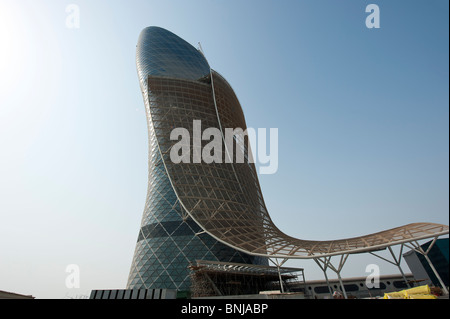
174 79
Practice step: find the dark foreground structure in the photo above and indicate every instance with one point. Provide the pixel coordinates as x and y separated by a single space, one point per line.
215 211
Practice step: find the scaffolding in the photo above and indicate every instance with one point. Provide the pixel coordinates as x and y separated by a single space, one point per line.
210 279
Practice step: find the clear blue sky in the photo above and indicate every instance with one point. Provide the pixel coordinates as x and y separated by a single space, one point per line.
362 115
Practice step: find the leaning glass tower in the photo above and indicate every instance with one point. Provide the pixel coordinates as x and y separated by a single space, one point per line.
176 85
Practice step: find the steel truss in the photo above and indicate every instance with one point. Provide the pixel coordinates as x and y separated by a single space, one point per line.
325 263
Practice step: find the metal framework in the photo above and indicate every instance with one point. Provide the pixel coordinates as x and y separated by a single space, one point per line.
325 263
210 278
224 198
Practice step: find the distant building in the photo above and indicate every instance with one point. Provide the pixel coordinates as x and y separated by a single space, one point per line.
439 255
12 295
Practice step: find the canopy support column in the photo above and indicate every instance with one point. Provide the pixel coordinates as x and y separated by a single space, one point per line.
324 269
327 264
396 262
278 265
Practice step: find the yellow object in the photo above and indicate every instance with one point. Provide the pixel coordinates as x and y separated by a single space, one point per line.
421 292
395 295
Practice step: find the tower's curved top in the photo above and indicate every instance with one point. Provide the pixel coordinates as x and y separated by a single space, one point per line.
162 53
